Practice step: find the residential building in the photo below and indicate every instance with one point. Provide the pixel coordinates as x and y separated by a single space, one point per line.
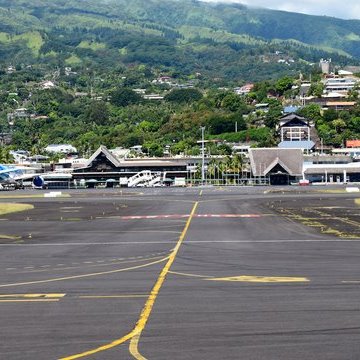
60 148
295 132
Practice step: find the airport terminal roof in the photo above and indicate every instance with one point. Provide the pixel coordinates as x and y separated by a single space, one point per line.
264 160
350 168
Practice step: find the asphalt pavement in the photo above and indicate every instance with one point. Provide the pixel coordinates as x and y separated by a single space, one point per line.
249 273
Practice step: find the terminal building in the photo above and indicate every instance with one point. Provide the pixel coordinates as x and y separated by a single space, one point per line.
262 166
103 166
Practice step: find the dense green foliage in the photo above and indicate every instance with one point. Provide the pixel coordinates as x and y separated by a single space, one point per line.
103 56
222 42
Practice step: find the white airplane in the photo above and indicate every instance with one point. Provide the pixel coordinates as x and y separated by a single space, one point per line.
12 176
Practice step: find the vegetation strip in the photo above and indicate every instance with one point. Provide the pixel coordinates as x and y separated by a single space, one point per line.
9 208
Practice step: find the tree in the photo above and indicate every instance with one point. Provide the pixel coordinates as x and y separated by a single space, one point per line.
5 156
283 85
233 102
353 94
237 163
97 113
153 149
316 89
330 115
339 125
219 124
311 112
124 97
224 149
273 115
180 147
184 95
354 125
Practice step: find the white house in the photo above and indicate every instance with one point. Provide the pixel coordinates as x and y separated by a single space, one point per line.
60 148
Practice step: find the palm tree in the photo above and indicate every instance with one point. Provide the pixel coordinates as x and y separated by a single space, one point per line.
237 164
220 168
5 156
211 168
197 174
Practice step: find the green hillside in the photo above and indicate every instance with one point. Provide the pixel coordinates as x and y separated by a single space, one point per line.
226 41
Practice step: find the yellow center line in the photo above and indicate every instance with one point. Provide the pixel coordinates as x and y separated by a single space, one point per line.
135 334
134 347
190 275
85 275
144 317
32 296
28 300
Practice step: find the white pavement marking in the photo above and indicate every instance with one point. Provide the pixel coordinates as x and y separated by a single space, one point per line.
181 216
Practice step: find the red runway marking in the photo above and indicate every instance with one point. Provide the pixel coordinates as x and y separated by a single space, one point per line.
227 215
173 216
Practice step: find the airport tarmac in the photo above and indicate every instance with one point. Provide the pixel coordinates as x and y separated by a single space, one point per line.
215 273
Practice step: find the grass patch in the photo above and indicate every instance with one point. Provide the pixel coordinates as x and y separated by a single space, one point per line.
8 208
91 45
30 196
73 60
33 40
4 37
332 191
9 237
220 36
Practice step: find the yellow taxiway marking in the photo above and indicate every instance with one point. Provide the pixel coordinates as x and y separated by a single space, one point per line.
261 279
201 192
28 300
32 296
6 298
135 334
190 275
134 347
85 275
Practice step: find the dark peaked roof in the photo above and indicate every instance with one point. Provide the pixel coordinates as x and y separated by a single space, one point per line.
292 116
104 150
263 161
293 119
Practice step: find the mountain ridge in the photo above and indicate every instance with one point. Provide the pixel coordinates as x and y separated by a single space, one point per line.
189 29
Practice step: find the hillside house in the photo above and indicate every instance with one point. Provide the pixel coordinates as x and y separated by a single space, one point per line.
295 132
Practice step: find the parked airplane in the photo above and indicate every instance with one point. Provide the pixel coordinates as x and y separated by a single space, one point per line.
12 176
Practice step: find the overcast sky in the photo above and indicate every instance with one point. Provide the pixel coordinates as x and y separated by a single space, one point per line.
349 9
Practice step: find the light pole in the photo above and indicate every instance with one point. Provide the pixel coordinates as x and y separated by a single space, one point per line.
202 155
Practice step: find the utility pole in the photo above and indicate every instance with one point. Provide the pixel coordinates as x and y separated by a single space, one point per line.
322 146
202 155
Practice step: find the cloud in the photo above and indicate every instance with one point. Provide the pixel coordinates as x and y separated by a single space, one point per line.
335 8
